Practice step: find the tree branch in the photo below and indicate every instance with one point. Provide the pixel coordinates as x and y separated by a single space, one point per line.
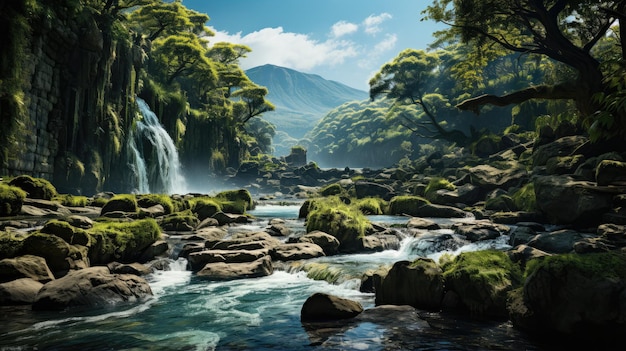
566 90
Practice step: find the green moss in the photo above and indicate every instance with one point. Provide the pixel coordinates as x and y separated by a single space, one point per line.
10 244
371 206
179 221
525 199
72 200
437 184
331 189
98 201
36 188
501 203
205 208
599 265
235 201
123 242
332 216
323 271
65 231
11 200
122 202
406 204
149 200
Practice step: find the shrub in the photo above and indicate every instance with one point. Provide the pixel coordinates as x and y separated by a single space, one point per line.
406 204
36 188
11 200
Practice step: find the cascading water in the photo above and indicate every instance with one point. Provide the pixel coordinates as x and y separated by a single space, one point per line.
154 158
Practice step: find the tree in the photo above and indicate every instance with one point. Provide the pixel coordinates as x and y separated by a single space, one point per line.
565 31
252 102
180 55
161 19
410 78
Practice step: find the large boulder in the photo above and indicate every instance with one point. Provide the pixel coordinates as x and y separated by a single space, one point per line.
481 280
228 271
559 241
19 291
488 177
439 211
123 203
611 172
197 260
27 266
419 284
91 287
379 242
321 307
561 147
37 188
59 255
579 296
564 200
296 251
480 230
11 200
327 242
370 189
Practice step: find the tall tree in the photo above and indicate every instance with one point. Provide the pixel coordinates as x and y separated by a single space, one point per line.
563 30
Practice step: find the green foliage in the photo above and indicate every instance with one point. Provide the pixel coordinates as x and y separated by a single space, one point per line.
149 200
406 204
332 216
608 265
36 188
435 184
122 242
11 200
72 200
525 199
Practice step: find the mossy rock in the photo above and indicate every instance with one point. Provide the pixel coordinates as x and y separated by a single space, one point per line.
344 222
11 200
371 206
611 172
149 200
36 188
10 244
72 200
237 200
51 247
122 241
123 203
205 208
482 280
419 283
437 184
179 222
65 231
406 205
525 198
501 203
332 189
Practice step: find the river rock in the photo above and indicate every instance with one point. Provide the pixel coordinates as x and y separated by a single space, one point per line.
488 177
580 298
419 283
91 287
153 211
564 200
422 223
525 253
521 235
197 260
561 147
328 243
372 279
321 307
190 248
208 222
439 211
611 172
228 218
227 271
78 221
370 189
278 229
27 266
466 193
296 251
59 255
379 242
18 292
560 241
157 248
44 208
613 233
129 268
480 230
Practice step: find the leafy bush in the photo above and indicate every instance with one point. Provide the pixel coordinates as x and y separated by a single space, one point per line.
11 200
36 188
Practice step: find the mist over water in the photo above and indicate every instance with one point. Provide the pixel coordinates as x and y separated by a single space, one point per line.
154 159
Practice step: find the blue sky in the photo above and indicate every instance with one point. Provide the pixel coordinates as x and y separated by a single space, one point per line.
343 40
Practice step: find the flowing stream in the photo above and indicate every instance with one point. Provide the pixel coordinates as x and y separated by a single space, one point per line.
155 164
188 313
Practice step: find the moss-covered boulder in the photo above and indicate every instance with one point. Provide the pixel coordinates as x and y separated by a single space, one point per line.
205 208
11 200
235 201
11 243
27 266
122 241
60 256
67 232
481 280
179 222
611 172
150 200
345 223
122 203
580 296
501 203
430 193
406 205
419 284
331 189
36 188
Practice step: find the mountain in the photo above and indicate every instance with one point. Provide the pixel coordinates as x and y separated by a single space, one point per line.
301 100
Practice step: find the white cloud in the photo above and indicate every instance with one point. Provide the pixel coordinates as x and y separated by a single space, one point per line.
292 50
386 44
342 28
372 22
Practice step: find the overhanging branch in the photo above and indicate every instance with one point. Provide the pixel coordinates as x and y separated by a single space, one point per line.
566 90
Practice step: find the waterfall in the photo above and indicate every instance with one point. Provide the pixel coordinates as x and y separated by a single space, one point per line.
153 155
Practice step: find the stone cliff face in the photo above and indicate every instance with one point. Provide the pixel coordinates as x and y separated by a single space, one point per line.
78 81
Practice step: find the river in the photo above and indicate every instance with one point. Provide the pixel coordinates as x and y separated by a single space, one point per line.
187 313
